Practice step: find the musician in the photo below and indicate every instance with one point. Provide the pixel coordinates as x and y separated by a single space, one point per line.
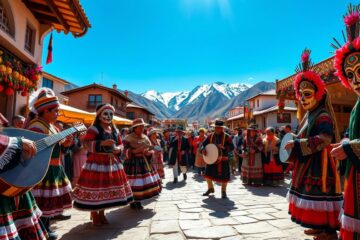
25 224
103 183
315 196
53 193
143 178
251 168
219 171
346 64
197 143
273 171
157 157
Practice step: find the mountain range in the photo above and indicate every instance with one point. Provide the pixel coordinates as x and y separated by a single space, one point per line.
204 101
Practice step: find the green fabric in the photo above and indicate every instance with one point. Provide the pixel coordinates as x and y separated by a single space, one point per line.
354 130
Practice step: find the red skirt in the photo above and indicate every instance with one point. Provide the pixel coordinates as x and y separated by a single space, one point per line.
102 184
350 225
316 212
273 173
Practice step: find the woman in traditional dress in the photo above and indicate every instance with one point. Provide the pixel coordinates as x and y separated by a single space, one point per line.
315 196
157 159
199 159
251 168
103 183
20 216
273 170
347 64
53 193
144 180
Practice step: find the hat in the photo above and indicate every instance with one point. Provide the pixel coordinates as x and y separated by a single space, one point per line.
219 123
153 130
104 106
138 122
180 129
202 129
43 99
252 127
305 76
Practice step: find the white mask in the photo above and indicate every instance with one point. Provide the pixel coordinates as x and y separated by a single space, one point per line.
107 116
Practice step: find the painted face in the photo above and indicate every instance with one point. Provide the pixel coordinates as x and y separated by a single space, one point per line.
107 116
352 71
307 95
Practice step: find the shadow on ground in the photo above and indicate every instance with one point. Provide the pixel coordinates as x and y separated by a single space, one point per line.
120 220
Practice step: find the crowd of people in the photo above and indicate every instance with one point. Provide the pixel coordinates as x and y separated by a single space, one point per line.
106 167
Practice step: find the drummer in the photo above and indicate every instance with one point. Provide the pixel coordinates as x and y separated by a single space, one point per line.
220 170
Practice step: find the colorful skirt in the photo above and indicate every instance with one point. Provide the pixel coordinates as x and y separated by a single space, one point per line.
102 184
158 165
350 225
218 172
53 193
315 211
199 160
144 180
273 173
252 170
19 218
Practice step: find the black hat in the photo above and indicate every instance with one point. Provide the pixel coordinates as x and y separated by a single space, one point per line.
219 123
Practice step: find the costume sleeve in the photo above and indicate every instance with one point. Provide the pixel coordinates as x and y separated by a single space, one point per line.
229 145
206 142
352 150
307 146
10 150
90 143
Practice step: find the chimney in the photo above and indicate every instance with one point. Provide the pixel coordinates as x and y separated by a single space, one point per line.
114 86
126 93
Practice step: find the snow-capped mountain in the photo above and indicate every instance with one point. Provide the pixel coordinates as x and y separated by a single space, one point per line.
177 100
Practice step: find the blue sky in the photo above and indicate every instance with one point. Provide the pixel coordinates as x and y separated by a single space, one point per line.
175 45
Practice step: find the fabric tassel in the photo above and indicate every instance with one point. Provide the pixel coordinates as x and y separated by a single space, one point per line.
50 48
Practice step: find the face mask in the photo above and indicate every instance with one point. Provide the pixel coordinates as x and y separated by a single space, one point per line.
107 116
352 71
307 96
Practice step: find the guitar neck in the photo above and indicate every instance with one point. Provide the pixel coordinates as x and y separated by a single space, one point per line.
52 139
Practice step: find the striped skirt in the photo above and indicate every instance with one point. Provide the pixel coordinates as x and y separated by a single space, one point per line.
143 178
53 193
252 170
102 184
19 218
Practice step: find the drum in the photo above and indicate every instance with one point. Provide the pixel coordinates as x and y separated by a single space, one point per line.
286 155
212 154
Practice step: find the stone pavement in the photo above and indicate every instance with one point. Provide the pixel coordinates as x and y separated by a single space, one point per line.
181 212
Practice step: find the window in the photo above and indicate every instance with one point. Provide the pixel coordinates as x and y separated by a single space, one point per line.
94 100
112 100
48 83
30 39
130 115
284 118
6 19
258 103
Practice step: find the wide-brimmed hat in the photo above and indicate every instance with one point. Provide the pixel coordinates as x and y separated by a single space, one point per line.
252 127
219 123
138 122
153 130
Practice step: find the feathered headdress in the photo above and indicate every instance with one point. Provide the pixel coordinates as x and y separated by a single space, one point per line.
305 74
352 23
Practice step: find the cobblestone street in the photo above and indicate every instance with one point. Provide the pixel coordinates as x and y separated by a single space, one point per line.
181 212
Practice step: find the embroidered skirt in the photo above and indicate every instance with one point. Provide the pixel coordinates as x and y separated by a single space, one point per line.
143 178
218 172
19 218
53 193
158 164
252 170
102 184
273 173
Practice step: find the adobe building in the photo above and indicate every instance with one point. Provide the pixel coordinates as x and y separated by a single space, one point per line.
23 27
134 111
88 97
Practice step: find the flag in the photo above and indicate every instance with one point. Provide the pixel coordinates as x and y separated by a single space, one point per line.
49 55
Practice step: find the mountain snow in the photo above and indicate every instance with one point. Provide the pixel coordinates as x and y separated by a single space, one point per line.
176 100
